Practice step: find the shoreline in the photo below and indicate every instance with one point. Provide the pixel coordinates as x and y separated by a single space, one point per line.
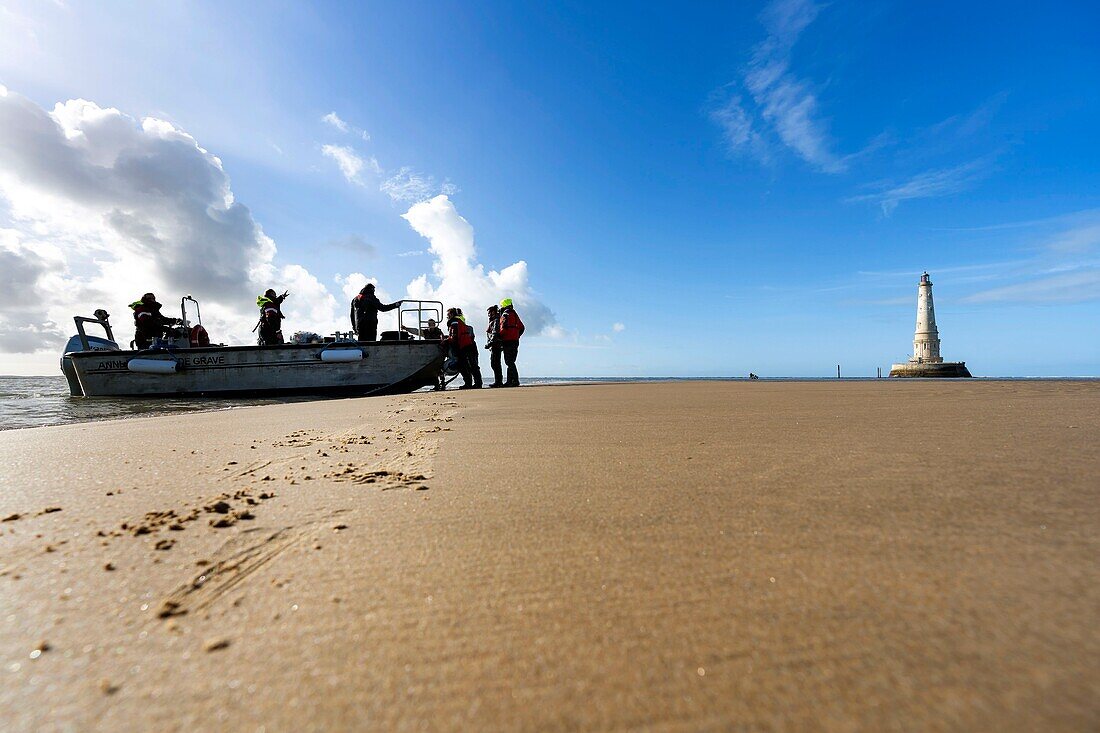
170 406
672 555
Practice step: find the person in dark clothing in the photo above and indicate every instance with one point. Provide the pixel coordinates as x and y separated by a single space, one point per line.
459 338
432 333
494 344
470 352
509 331
271 318
149 322
364 313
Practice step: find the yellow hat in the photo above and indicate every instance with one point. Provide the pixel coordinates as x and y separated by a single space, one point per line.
505 303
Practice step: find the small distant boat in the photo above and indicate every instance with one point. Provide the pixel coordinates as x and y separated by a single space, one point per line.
178 367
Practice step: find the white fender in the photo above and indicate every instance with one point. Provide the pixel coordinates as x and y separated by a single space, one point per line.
153 366
341 355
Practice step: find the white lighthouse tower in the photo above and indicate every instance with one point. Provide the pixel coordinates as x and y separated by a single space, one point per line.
926 360
926 340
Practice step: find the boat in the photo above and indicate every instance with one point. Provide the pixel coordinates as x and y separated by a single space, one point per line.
184 364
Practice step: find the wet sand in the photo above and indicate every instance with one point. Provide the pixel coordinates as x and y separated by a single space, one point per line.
684 556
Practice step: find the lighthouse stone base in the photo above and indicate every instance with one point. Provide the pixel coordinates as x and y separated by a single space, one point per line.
943 369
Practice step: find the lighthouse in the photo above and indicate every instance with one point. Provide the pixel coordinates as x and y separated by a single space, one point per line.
926 341
926 360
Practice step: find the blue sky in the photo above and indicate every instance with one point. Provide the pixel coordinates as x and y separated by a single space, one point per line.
696 189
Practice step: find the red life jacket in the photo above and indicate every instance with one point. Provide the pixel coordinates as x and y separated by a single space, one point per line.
511 327
141 312
461 334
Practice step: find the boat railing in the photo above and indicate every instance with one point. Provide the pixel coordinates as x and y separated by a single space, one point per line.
424 310
102 318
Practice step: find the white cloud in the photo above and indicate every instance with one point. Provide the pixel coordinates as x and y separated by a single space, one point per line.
349 162
929 184
1078 239
459 280
407 186
1070 287
1064 270
782 103
618 327
736 124
404 186
103 207
335 121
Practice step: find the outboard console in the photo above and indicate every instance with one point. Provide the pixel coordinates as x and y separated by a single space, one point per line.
83 342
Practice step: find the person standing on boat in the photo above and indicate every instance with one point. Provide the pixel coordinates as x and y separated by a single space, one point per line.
364 313
271 317
493 343
510 330
149 322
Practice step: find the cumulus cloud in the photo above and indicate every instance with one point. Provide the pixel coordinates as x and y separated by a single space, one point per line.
618 327
458 279
103 207
24 324
778 103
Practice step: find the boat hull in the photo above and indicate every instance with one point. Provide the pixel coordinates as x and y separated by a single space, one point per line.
385 368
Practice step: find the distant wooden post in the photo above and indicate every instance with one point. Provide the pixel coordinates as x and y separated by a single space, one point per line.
838 371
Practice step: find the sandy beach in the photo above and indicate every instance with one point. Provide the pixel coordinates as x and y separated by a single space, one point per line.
674 556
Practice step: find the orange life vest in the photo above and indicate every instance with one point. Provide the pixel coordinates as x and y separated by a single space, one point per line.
461 334
511 327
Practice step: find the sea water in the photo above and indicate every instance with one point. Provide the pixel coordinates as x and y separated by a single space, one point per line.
28 402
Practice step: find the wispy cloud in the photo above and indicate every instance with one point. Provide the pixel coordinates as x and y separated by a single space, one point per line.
1084 238
1065 268
351 164
1070 287
618 327
406 185
778 102
929 184
334 120
968 124
356 243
